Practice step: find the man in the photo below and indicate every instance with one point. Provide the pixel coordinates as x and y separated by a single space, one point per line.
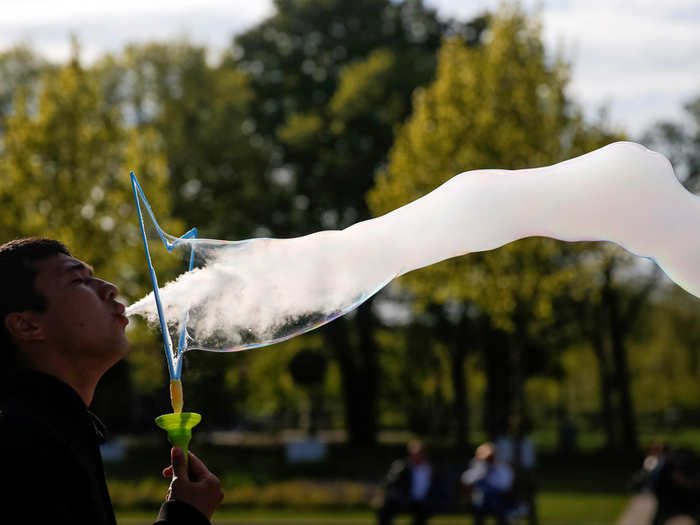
62 329
674 479
409 487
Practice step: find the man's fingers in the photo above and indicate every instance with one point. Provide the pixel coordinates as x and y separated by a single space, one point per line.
179 463
168 471
198 470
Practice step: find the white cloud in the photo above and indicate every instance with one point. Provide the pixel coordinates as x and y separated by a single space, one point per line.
40 12
641 57
107 26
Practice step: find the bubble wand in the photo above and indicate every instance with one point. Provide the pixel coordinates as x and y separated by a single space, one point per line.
179 424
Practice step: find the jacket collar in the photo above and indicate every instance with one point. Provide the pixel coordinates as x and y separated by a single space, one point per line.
53 399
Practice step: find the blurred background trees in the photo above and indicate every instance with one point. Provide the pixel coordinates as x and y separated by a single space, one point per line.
333 78
325 114
501 103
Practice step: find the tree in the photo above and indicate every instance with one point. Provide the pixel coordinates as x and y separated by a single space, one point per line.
201 112
19 67
332 79
216 165
500 104
608 306
615 303
680 143
65 165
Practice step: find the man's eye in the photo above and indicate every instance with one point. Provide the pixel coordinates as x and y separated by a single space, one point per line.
80 280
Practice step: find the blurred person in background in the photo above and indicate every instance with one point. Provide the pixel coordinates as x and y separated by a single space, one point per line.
516 448
673 477
489 481
409 488
62 329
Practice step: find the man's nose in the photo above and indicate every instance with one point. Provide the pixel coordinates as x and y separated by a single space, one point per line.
108 291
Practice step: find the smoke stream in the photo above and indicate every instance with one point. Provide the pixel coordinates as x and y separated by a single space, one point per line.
247 294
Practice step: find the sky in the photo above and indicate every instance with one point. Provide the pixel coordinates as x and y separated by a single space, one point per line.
640 59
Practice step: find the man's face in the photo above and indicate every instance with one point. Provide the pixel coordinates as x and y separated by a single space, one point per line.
417 456
82 317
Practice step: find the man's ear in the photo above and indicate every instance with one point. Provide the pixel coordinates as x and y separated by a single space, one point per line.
24 326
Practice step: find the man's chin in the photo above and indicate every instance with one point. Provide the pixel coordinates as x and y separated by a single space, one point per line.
120 350
125 347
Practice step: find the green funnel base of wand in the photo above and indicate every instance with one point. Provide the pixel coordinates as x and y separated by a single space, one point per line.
179 428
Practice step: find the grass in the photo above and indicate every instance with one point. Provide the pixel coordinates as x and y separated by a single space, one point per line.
262 489
590 493
554 508
580 507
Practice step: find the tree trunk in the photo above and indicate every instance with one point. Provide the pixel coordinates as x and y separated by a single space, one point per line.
617 328
461 404
606 387
622 380
593 328
517 374
359 373
369 355
516 379
497 366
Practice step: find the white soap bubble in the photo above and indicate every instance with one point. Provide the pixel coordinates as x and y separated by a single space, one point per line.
251 293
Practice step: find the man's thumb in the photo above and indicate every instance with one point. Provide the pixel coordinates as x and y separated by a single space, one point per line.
179 463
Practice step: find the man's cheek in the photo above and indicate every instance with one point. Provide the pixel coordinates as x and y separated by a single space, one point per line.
78 321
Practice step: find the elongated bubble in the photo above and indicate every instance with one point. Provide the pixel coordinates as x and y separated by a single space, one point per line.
251 293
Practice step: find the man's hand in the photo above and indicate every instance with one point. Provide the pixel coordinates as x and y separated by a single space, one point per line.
196 485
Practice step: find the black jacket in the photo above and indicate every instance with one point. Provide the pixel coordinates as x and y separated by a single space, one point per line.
50 458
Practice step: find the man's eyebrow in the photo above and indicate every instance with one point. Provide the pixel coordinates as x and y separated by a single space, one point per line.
80 266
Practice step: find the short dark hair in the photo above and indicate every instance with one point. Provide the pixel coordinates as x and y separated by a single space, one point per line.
18 270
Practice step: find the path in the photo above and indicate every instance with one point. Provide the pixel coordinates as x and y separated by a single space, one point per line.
640 511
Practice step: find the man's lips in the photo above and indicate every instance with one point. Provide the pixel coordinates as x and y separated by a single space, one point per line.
124 320
119 313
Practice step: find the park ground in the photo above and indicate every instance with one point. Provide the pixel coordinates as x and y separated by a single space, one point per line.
589 488
555 509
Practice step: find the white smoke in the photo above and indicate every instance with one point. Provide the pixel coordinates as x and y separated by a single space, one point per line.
258 291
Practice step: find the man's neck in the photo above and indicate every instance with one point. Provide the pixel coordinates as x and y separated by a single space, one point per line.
80 381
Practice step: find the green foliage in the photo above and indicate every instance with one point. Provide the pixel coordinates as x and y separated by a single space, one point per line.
285 136
301 130
499 104
362 85
201 112
580 388
417 393
594 492
300 495
19 67
332 79
281 397
502 104
664 356
66 165
198 116
66 169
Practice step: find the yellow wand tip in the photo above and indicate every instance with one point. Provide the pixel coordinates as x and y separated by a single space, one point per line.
176 398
